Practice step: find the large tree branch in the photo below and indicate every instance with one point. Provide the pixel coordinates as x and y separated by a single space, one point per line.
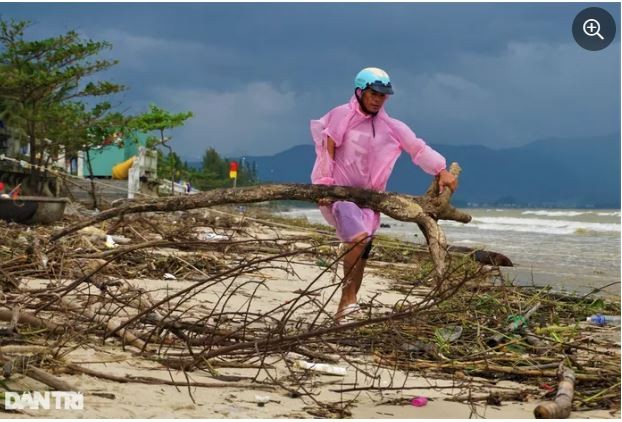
424 210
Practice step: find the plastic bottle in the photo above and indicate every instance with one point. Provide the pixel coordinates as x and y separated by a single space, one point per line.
262 400
322 367
604 319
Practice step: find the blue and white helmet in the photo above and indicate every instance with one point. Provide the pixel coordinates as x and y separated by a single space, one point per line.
374 78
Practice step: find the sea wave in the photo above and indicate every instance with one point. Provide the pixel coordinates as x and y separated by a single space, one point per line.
468 241
547 224
549 213
609 214
540 225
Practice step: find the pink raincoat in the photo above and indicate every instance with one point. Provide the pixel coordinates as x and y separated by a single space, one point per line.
366 149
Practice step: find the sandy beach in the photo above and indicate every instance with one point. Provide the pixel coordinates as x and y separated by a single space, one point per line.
271 384
189 203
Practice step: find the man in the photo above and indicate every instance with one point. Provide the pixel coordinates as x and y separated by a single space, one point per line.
356 145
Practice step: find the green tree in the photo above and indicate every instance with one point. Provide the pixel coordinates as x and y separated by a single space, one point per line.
172 164
214 167
158 119
214 172
45 84
81 128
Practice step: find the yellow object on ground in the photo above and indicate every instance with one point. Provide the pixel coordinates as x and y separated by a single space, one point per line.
121 170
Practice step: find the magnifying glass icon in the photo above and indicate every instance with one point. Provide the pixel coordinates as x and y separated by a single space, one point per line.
592 29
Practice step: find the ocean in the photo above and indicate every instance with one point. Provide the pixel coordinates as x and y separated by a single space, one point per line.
572 250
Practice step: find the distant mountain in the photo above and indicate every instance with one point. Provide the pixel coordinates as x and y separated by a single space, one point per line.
569 172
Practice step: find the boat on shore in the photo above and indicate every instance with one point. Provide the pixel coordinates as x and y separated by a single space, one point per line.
32 209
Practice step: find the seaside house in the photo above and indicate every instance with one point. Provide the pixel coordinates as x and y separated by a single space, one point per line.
122 157
120 152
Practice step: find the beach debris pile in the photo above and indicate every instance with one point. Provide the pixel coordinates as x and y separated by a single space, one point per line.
497 331
473 327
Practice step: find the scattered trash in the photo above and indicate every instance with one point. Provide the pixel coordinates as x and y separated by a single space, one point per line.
110 243
262 400
93 231
555 329
514 324
212 236
547 387
322 263
322 367
419 346
44 260
419 401
206 233
449 334
422 344
96 234
121 240
602 320
325 249
110 396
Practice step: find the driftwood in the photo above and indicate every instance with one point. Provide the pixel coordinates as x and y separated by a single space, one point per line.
21 364
29 319
474 368
537 344
72 368
110 324
494 398
559 408
23 348
424 210
484 257
50 380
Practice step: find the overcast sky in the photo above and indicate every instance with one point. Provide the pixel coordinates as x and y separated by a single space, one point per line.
498 75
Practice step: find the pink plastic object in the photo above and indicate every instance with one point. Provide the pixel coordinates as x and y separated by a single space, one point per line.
419 401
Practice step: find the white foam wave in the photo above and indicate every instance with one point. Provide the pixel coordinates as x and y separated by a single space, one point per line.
451 223
539 225
549 213
302 213
545 225
609 214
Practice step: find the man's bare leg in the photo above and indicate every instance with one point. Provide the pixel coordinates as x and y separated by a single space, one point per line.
353 268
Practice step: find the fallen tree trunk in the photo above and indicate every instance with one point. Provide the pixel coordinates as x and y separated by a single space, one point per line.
484 257
156 381
561 407
21 364
424 210
28 319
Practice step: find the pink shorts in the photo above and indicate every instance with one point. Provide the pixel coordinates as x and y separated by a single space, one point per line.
351 220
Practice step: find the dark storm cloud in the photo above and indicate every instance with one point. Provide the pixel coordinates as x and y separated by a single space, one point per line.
254 75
